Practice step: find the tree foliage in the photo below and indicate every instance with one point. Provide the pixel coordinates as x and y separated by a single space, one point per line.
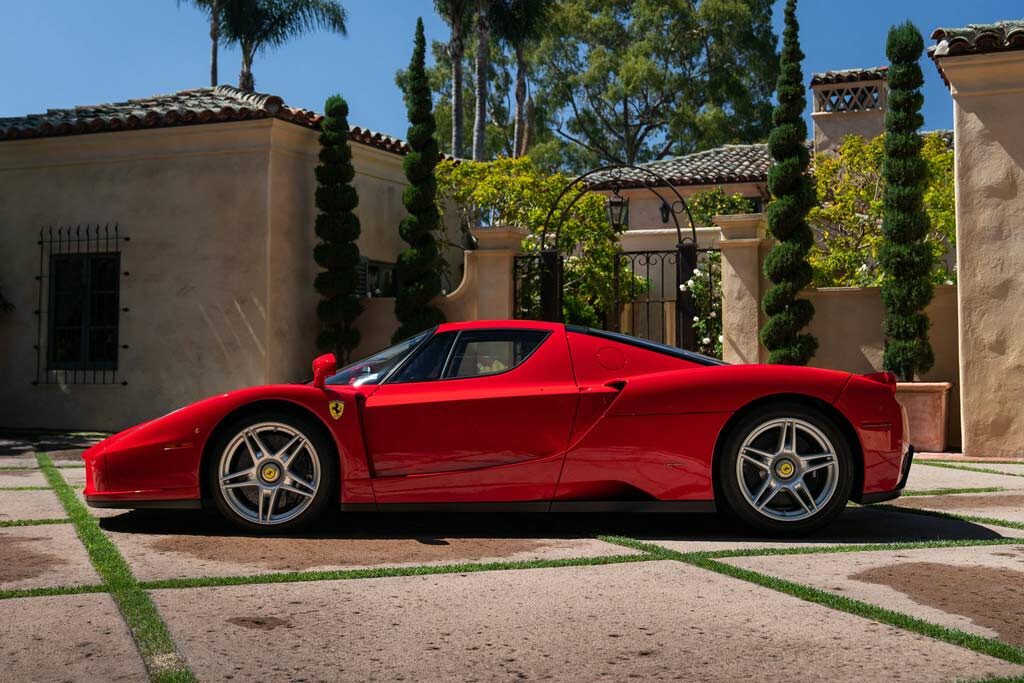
419 266
337 226
257 25
635 81
704 206
518 193
788 181
905 254
847 221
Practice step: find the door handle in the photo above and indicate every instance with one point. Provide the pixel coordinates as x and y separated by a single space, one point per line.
612 387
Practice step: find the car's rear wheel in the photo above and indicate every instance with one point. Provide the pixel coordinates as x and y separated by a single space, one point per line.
272 473
786 469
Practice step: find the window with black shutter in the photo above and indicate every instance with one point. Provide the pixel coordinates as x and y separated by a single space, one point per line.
83 311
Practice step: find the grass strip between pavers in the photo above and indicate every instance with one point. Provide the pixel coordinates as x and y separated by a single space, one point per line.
32 522
703 560
992 521
968 468
385 572
9 593
152 638
951 492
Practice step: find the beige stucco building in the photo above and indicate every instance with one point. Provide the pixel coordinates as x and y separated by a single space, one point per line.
211 192
984 67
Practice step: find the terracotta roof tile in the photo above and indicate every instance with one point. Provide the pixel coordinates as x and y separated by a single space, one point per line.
186 107
978 38
850 75
725 164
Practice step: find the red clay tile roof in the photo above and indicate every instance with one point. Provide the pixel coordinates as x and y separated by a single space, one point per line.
850 75
978 38
721 165
183 108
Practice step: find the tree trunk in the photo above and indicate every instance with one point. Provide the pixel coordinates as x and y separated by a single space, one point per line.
483 49
529 125
245 80
214 40
519 134
456 50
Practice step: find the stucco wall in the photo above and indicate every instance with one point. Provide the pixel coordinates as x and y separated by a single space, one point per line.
988 98
848 324
220 291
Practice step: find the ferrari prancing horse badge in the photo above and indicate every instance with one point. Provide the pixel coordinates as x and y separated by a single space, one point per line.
336 408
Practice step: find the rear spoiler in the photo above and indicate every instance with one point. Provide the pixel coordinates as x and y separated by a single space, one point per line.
883 378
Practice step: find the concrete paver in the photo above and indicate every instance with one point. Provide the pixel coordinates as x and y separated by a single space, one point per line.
977 589
1007 506
74 476
43 556
67 638
925 477
23 505
166 556
856 525
647 620
22 478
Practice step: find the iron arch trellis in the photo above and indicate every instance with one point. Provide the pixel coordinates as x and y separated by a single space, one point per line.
612 177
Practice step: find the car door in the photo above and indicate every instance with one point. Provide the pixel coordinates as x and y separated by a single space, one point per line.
478 415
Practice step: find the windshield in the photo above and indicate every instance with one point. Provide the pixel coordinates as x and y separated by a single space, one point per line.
375 368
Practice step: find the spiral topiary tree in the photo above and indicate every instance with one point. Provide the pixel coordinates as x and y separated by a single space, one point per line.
338 228
419 266
905 256
787 265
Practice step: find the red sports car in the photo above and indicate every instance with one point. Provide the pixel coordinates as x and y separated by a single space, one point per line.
521 415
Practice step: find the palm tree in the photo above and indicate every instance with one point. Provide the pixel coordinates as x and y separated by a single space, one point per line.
213 9
457 13
255 25
518 22
483 58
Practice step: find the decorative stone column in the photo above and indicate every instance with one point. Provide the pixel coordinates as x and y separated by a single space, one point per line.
988 98
486 290
744 245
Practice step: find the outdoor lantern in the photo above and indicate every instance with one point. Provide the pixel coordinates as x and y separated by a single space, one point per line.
618 209
666 211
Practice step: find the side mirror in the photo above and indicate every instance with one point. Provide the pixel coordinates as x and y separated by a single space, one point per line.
323 367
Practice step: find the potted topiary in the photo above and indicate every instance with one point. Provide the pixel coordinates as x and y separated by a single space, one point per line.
905 256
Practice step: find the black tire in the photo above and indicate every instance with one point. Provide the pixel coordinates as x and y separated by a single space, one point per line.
795 496
319 448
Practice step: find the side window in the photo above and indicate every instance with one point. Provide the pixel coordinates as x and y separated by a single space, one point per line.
429 362
487 352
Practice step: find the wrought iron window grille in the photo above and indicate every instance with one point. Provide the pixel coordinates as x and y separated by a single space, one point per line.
79 308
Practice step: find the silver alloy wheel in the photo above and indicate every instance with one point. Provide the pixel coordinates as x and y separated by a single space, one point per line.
787 469
269 473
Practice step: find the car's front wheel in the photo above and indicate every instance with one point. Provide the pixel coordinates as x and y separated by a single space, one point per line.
787 469
271 473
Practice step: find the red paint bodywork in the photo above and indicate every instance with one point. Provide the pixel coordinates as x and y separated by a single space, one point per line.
584 418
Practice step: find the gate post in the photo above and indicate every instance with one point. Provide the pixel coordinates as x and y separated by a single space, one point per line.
551 285
686 309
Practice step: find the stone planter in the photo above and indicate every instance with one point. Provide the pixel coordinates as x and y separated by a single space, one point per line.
927 405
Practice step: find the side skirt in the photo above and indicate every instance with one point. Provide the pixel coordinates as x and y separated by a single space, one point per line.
663 506
146 504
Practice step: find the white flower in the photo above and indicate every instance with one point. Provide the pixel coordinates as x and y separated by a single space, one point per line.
682 288
706 340
713 314
720 339
949 282
696 319
689 283
863 266
696 271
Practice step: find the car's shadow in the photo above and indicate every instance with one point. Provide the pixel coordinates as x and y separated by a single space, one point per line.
855 525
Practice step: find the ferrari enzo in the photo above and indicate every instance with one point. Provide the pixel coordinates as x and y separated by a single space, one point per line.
522 415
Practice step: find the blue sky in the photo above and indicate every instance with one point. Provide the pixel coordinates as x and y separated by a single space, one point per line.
67 52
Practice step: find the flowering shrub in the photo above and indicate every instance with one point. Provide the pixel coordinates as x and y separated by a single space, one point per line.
706 288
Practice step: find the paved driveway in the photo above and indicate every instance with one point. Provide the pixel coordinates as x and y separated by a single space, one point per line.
929 589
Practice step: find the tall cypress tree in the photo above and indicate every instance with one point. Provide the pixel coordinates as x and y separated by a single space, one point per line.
419 272
905 257
338 228
787 266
